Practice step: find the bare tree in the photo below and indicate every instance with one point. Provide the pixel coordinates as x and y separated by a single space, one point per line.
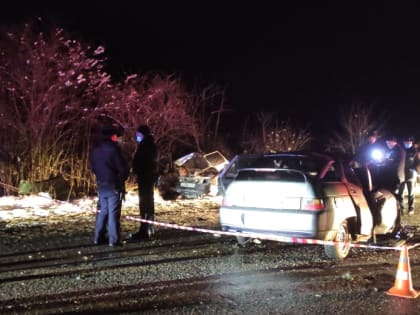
277 136
160 101
48 81
206 107
355 123
54 92
285 137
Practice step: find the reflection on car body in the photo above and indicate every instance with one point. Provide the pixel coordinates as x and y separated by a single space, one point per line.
306 195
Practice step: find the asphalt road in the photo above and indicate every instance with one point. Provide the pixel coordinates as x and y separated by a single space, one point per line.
53 268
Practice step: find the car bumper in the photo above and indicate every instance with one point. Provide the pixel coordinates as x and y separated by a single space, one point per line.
288 223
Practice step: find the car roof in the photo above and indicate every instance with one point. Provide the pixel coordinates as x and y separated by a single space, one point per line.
307 154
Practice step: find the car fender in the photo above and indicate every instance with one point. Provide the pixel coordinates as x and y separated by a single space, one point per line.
364 214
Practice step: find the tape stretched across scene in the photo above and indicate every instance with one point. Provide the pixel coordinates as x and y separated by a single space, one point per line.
283 239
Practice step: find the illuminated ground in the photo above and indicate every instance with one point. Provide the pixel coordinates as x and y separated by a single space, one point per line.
48 265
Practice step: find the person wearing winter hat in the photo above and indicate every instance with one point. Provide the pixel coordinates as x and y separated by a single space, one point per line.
145 167
366 151
111 171
412 167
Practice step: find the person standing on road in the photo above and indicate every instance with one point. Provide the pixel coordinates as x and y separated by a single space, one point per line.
394 165
412 167
145 167
367 156
111 171
365 153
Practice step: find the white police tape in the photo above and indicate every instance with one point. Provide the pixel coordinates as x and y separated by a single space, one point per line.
284 239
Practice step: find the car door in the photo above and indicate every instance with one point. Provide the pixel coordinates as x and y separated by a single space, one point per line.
358 196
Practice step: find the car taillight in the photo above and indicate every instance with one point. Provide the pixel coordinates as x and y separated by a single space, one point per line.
312 204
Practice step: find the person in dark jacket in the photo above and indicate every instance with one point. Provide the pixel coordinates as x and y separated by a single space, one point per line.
368 155
365 154
412 166
111 171
145 167
394 165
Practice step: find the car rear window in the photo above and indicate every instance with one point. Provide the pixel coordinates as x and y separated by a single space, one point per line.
310 165
301 163
270 175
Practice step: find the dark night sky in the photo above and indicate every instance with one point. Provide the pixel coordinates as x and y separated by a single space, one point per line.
305 60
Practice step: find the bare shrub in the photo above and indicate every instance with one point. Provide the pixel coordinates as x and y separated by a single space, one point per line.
179 118
47 83
276 136
54 92
207 108
355 123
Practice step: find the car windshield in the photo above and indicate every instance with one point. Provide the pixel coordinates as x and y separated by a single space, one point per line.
215 158
270 175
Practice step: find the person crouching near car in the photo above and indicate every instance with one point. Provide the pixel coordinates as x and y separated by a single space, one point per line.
145 167
412 167
111 172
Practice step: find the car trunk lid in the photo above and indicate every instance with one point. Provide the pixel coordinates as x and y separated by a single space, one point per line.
272 189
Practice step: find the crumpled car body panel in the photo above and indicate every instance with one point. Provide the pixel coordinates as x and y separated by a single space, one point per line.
198 172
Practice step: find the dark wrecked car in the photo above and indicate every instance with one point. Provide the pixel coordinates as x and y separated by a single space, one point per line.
305 195
197 173
192 176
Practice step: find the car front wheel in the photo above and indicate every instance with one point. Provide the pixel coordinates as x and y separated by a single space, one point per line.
340 250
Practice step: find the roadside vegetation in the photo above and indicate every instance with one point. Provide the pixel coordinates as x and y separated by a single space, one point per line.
55 92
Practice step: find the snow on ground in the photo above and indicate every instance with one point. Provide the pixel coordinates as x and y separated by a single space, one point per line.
43 205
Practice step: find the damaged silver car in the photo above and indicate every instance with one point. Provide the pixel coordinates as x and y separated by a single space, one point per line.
305 195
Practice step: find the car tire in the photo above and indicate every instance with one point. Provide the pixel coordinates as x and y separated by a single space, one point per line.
342 249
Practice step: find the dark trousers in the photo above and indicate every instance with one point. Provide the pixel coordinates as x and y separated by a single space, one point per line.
147 207
411 184
109 216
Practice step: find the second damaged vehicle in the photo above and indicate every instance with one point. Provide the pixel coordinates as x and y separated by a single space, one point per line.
310 196
198 173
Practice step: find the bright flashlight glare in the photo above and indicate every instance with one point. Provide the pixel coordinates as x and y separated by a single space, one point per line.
377 155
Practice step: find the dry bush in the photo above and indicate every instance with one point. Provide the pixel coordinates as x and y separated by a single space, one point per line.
48 82
286 138
275 136
179 118
54 92
207 107
355 123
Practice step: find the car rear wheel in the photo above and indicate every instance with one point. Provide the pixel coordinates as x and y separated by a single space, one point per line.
340 250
